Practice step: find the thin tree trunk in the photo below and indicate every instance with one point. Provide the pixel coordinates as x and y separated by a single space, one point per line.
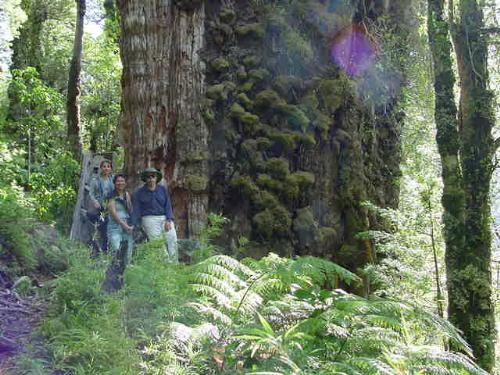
472 308
72 104
466 148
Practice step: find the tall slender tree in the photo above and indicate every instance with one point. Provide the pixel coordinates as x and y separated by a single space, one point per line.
72 104
466 149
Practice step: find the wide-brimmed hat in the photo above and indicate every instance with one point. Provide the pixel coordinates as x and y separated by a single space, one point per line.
149 171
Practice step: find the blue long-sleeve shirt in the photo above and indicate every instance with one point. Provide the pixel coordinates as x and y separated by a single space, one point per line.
146 202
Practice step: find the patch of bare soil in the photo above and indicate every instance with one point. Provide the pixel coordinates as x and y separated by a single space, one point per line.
19 316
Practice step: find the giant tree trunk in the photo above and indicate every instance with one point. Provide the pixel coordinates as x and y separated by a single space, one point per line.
271 133
163 89
471 306
72 104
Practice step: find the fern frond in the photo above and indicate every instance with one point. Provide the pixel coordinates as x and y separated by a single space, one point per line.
220 284
372 366
206 290
457 362
322 270
247 301
343 369
221 272
229 263
211 312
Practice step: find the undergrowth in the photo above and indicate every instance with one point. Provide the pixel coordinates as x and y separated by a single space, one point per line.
225 316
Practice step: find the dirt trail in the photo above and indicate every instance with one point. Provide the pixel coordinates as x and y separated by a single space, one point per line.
19 316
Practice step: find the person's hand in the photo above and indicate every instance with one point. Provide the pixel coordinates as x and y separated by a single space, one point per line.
169 224
129 228
97 206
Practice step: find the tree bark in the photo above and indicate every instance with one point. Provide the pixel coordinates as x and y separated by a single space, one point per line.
72 104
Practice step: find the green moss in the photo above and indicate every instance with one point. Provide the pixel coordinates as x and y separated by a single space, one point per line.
259 74
247 86
264 222
255 30
236 111
252 154
195 156
294 115
266 181
272 221
245 100
291 190
304 220
247 186
308 141
278 167
196 183
220 64
302 178
249 119
217 92
284 84
268 99
332 93
227 15
263 143
297 45
326 237
310 103
208 115
251 61
241 73
323 122
268 199
284 139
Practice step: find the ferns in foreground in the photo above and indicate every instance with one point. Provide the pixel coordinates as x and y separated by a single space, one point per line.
284 316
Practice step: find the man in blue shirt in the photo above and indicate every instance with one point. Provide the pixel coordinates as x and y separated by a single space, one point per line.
152 206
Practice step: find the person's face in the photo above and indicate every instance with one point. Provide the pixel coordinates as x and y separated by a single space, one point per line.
120 184
151 179
105 169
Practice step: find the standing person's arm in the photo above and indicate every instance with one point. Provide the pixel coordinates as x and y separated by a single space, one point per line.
169 215
93 189
114 214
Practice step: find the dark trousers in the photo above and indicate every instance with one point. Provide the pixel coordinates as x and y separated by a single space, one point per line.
103 234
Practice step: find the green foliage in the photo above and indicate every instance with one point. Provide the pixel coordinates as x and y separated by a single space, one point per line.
101 90
255 30
220 64
15 220
223 316
276 315
53 189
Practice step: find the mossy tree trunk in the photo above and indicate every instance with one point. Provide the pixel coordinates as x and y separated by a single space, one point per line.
466 149
295 144
73 94
471 307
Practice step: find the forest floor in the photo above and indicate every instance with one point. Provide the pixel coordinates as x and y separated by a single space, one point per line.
19 317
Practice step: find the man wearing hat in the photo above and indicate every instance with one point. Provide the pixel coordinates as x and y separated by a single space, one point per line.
152 206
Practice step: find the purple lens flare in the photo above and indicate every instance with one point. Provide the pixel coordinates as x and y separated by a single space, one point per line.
353 51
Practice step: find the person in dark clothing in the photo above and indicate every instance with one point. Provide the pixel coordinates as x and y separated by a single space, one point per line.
152 208
100 189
